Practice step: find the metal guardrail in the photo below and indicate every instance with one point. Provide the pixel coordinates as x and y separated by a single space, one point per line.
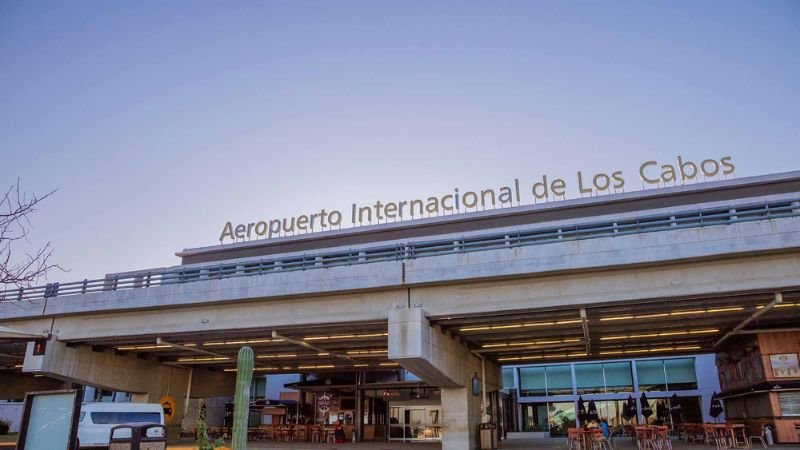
410 250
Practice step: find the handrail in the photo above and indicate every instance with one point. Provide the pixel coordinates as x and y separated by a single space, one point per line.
418 249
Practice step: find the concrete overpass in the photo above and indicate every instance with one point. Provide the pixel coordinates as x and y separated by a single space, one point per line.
668 271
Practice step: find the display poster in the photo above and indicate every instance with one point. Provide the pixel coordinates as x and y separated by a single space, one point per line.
785 365
49 421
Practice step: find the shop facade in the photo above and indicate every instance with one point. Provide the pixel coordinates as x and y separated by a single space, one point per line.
548 394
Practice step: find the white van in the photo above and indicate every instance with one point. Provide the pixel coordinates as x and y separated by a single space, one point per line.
97 419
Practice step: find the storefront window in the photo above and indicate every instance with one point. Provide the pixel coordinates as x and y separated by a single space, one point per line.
589 378
789 403
532 381
562 416
690 411
611 410
559 380
651 375
680 374
618 377
535 417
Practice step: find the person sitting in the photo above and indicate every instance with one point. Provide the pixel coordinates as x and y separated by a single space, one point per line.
604 427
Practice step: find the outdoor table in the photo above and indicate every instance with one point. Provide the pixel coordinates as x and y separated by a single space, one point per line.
732 429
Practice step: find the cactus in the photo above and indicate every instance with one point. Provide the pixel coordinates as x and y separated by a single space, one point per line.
241 401
202 431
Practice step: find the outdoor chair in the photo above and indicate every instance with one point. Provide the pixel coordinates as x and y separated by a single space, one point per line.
661 439
713 437
756 437
599 442
575 439
644 438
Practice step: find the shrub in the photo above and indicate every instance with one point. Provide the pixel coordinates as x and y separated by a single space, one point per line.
5 425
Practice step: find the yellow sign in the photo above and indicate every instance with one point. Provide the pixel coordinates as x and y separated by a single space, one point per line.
168 403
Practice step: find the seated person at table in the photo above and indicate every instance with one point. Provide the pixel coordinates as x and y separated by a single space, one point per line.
604 427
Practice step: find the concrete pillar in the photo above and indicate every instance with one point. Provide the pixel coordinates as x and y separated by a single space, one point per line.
147 380
442 360
461 417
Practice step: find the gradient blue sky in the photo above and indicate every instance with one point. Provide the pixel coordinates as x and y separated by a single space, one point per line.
158 121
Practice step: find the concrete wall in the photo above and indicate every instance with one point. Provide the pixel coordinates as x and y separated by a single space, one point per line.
13 386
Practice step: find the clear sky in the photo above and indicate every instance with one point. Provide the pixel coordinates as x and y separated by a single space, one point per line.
159 121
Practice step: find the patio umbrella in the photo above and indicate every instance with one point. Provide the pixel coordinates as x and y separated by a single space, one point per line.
629 408
716 406
647 411
591 412
632 406
581 409
661 409
675 404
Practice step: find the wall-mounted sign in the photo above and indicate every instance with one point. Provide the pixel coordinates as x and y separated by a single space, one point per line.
785 365
323 403
542 188
168 403
39 347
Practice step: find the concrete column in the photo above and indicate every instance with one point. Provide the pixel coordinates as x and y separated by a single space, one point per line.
461 417
441 360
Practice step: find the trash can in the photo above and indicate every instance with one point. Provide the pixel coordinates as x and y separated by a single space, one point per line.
138 436
488 432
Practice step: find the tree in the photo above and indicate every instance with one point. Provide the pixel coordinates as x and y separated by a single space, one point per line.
16 209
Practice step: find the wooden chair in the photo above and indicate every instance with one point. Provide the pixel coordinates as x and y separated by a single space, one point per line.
713 436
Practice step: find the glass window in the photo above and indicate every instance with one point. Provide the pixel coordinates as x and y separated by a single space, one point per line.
690 411
618 377
562 416
258 387
532 381
508 377
534 417
559 380
789 403
125 417
680 374
612 411
651 375
589 378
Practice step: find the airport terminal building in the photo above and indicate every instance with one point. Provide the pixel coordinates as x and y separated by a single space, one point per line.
424 329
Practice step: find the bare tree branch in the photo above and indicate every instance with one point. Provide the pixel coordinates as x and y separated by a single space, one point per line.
16 209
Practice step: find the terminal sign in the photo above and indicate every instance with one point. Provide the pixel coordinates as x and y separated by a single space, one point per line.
543 188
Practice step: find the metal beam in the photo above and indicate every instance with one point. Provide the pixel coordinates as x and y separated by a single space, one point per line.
160 341
768 330
529 347
777 300
305 344
586 338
